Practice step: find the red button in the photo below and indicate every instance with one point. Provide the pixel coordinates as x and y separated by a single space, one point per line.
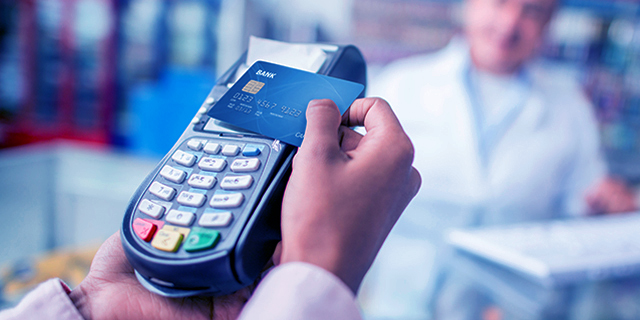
157 223
144 229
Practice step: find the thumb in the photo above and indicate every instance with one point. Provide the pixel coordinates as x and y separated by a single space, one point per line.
323 122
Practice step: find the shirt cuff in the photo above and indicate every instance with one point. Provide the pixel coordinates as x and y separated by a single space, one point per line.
49 300
298 290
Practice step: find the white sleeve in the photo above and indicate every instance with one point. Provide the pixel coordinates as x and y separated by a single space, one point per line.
50 300
298 290
588 167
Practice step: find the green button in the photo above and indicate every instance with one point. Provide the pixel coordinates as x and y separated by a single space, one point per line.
201 239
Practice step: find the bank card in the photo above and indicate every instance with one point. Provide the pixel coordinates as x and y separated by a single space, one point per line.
272 99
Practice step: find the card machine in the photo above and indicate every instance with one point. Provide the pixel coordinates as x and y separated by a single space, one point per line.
206 220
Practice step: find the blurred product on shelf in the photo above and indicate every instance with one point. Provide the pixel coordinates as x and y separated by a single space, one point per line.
67 66
602 47
67 70
10 89
168 59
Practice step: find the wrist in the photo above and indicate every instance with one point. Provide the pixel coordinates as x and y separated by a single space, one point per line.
328 260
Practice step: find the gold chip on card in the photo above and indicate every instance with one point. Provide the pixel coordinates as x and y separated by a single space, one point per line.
253 86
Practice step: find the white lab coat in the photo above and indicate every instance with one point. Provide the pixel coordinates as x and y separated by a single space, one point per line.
540 168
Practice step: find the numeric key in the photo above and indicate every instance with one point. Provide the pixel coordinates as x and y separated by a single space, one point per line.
173 174
226 200
191 199
212 164
184 158
161 191
202 181
236 182
245 165
182 218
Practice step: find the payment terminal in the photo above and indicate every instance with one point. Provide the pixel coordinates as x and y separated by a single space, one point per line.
206 220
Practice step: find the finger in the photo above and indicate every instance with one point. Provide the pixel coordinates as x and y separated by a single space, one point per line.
620 202
372 113
415 181
349 139
597 204
385 139
591 204
110 258
411 189
384 131
323 121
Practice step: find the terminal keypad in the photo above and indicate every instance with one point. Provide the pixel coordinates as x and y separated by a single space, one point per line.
198 194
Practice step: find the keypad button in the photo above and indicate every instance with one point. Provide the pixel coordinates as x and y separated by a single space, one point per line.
212 164
245 165
195 144
183 231
184 158
183 218
201 239
212 148
236 182
217 219
191 199
251 150
157 223
151 209
230 150
144 229
167 240
226 200
173 174
202 181
161 191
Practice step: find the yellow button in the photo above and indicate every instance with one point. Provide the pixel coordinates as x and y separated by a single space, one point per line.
166 240
183 231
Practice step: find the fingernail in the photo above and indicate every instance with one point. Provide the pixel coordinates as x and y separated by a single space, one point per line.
313 103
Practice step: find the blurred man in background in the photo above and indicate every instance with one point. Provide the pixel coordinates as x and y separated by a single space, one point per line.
6 10
499 139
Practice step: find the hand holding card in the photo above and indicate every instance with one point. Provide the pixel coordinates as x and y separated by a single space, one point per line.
271 100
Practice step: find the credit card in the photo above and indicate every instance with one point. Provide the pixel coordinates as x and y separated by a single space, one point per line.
272 99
